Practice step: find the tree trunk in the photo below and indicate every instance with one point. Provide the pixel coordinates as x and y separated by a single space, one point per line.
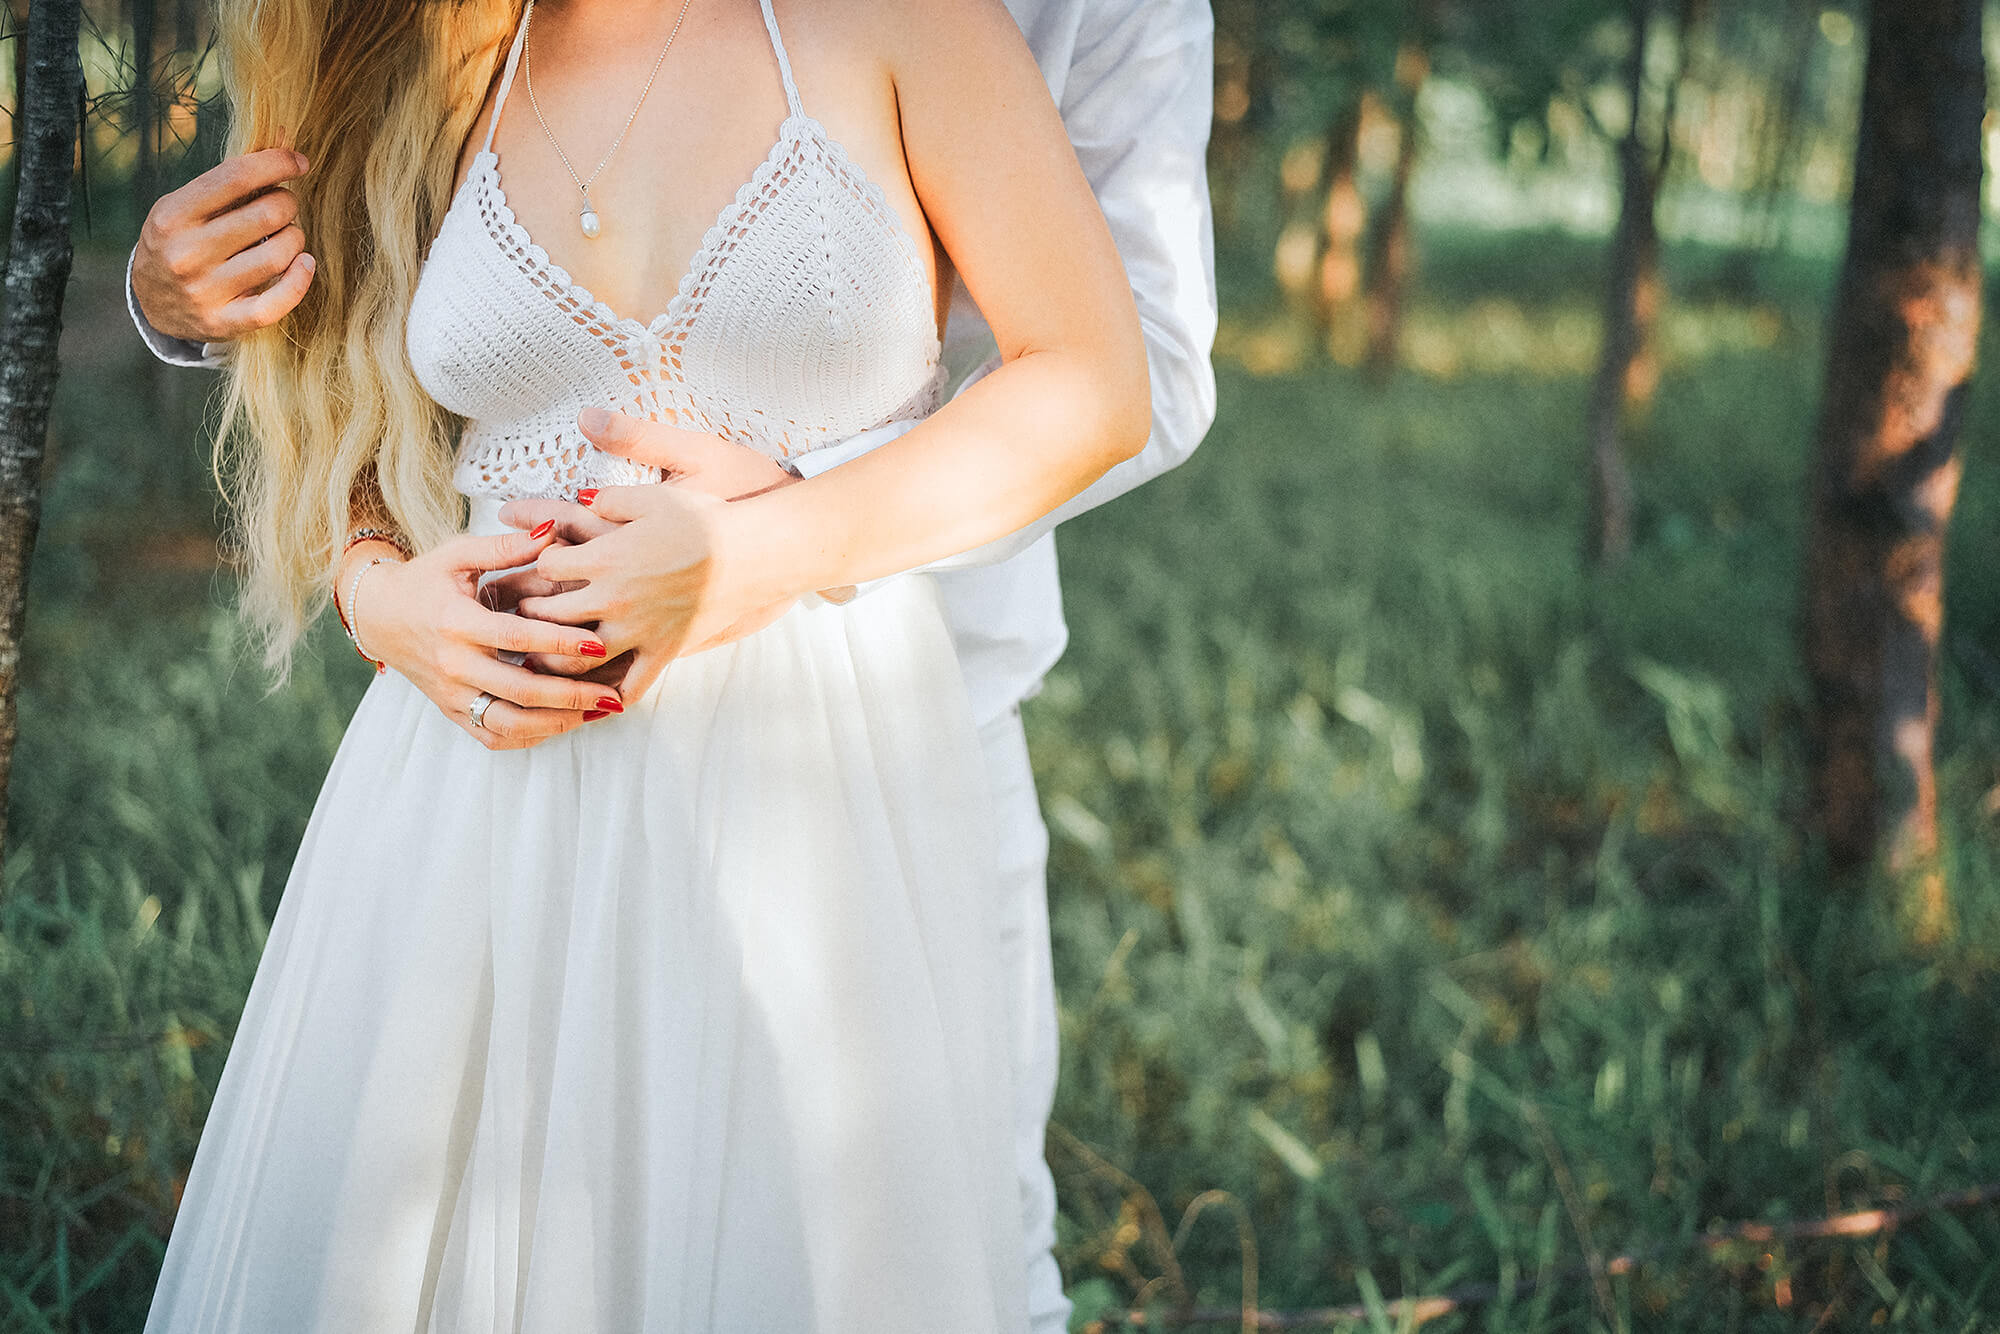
1342 219
17 15
145 114
1243 70
1634 249
1781 143
1885 466
1642 373
38 263
1389 244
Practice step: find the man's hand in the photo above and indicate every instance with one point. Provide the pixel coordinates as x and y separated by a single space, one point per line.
691 459
224 254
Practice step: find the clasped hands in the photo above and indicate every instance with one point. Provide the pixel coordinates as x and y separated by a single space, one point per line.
595 596
645 568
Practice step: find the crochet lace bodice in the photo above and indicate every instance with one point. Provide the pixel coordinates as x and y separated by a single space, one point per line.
805 318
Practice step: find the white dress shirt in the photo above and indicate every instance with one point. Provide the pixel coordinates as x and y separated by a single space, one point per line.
1134 81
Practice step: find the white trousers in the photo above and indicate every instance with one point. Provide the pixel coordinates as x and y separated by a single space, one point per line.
1024 945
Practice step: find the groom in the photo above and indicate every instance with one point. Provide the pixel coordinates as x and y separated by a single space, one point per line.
1133 80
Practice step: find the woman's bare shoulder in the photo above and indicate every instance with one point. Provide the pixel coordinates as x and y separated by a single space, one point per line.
908 34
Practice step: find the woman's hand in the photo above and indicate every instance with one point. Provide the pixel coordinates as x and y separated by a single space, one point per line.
424 617
652 572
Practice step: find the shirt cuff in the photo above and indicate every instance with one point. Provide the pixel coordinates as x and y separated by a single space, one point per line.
173 351
816 461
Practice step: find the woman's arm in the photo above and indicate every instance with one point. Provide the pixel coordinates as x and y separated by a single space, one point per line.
998 179
1136 101
999 182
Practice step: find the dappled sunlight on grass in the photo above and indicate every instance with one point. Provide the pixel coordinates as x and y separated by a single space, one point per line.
1501 336
1383 829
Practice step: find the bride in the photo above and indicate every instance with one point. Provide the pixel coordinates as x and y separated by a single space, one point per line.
634 970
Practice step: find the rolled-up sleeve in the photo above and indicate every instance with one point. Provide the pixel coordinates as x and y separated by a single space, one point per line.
173 351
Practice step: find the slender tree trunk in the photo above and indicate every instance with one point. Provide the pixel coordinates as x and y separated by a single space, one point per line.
1228 144
1649 293
1780 143
210 114
1629 368
1389 244
190 31
1342 219
17 15
38 262
1885 466
1634 247
1389 263
1243 72
145 113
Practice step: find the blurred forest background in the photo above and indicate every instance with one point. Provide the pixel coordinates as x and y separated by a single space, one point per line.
1446 925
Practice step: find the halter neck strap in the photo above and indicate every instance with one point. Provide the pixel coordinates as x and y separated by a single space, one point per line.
784 65
520 38
507 75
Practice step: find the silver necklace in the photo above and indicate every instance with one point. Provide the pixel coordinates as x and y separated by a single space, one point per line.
587 219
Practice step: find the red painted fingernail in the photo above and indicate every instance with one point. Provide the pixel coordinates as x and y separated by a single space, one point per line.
590 648
543 529
592 715
610 705
585 496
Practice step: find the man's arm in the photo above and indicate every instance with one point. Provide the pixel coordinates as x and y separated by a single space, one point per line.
1137 106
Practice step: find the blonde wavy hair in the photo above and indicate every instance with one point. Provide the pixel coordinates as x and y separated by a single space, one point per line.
322 417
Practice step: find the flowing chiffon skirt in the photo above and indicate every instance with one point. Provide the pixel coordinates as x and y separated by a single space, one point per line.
687 1020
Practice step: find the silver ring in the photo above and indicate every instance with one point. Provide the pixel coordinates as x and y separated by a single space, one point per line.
480 703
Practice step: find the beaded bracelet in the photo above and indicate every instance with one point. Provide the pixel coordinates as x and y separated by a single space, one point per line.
375 535
354 587
354 538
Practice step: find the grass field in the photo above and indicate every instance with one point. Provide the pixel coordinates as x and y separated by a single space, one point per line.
1443 907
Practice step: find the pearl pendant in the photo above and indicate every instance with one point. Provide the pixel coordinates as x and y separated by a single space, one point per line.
588 221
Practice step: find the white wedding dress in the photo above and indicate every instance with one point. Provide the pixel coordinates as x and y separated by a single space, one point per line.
686 1020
